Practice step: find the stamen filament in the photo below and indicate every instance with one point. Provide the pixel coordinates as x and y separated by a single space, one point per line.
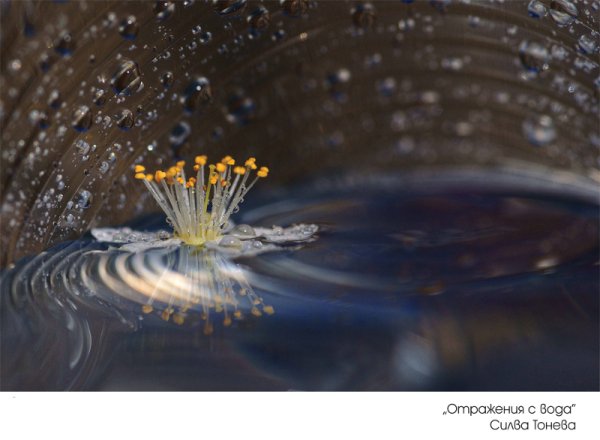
186 201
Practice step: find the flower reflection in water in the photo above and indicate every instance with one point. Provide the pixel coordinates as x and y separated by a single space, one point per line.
183 283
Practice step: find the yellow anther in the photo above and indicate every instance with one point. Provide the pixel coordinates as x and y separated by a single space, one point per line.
200 160
251 163
166 314
204 224
237 314
159 176
147 308
255 311
268 310
227 321
263 172
178 319
221 167
208 329
228 160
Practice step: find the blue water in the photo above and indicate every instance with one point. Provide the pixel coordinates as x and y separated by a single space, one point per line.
438 285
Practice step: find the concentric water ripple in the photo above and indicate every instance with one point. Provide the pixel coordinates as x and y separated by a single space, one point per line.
498 270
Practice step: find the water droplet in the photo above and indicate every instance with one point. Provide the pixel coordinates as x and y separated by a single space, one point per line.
241 109
563 12
452 63
587 44
387 87
99 97
335 83
534 56
228 7
539 129
229 241
110 20
125 119
294 8
104 167
341 76
14 65
474 21
196 94
45 62
54 99
43 120
84 199
205 37
39 118
83 148
129 28
363 15
167 79
179 134
70 219
127 78
536 9
259 20
406 24
82 118
278 35
164 9
65 44
243 231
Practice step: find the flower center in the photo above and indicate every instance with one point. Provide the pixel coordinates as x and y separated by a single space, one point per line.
186 202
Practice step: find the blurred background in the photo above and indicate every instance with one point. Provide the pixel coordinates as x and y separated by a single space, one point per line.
447 149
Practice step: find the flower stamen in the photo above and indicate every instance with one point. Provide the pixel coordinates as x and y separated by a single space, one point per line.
186 201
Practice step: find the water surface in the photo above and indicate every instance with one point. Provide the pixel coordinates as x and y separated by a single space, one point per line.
452 282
